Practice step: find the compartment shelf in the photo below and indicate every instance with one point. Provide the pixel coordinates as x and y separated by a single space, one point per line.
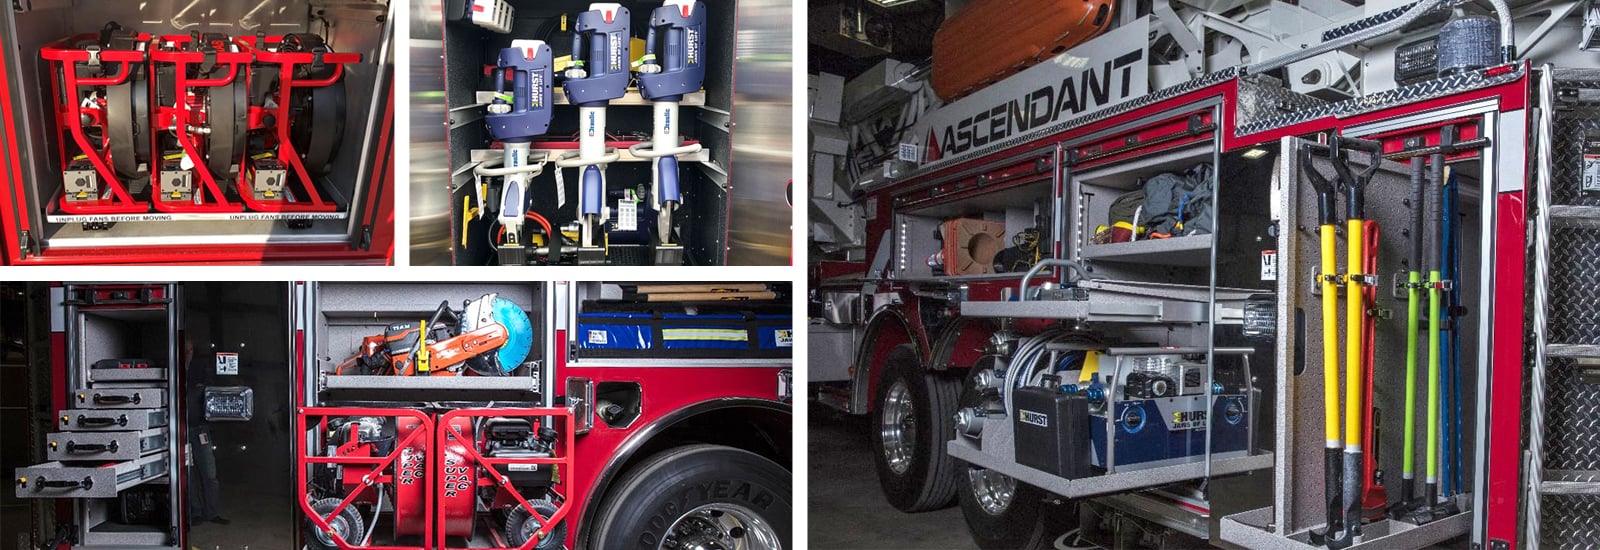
691 99
624 155
474 383
1193 250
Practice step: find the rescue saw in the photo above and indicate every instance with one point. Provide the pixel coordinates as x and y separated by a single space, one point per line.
489 336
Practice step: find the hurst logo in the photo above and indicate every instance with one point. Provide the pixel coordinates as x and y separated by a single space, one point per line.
1107 70
535 89
1035 418
1188 420
692 41
616 51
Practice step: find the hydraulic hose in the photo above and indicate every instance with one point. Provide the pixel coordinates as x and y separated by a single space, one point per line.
372 527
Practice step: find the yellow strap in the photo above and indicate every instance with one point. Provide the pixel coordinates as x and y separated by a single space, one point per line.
1091 367
422 347
466 218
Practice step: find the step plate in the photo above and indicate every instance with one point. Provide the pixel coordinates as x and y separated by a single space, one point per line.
1572 405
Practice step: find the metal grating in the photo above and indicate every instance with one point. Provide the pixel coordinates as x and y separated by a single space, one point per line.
1568 511
1570 521
1430 89
1572 121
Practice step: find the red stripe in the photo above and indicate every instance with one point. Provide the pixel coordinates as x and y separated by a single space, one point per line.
1505 373
12 176
383 232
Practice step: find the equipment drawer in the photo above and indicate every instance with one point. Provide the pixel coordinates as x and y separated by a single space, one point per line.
72 446
150 374
58 480
119 398
117 420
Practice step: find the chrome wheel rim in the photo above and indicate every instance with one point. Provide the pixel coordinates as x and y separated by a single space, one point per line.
992 490
720 526
899 430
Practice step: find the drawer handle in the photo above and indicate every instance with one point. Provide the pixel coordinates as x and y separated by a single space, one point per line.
115 399
120 420
91 447
86 484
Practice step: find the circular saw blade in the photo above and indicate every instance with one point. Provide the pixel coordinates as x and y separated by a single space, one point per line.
519 335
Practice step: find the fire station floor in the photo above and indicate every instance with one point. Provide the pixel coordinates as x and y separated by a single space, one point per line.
257 520
847 510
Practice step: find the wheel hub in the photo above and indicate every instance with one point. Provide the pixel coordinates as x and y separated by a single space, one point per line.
899 432
720 526
993 490
337 525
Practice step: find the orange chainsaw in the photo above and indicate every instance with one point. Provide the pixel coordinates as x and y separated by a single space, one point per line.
489 336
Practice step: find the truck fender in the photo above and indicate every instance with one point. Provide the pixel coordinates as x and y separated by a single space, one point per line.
887 329
960 344
654 437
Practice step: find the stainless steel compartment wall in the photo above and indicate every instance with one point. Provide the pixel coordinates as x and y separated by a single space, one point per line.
1298 249
351 26
734 212
348 312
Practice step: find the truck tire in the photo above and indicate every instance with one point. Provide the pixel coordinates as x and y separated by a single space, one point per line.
912 419
736 494
1024 521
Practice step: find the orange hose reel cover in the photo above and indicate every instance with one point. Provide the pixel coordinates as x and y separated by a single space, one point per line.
988 40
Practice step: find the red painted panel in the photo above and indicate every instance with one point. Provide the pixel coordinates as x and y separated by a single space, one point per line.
10 175
1505 386
666 390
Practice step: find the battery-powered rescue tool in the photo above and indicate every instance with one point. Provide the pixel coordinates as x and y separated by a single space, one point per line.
599 74
489 336
514 118
673 66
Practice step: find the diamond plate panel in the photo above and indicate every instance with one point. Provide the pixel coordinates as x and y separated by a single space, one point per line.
1572 407
1262 97
1571 122
1420 91
1570 521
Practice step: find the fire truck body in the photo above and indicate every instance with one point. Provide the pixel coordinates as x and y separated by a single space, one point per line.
598 441
939 358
